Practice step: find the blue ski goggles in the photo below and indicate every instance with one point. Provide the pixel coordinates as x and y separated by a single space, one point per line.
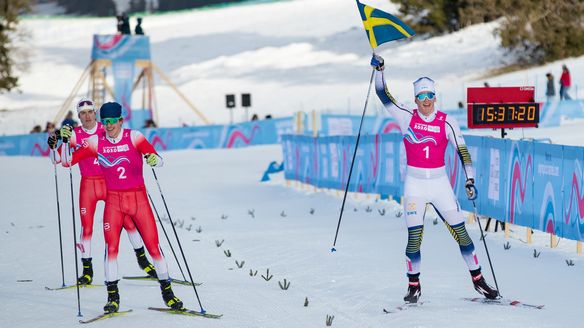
425 95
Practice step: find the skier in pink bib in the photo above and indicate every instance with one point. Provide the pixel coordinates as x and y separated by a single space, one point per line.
426 133
119 152
92 189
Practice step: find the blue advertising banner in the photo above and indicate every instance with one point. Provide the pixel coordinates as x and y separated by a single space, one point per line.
522 182
547 187
571 222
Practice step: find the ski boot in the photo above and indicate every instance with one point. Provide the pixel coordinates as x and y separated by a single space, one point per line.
414 290
170 300
481 286
113 297
87 276
144 263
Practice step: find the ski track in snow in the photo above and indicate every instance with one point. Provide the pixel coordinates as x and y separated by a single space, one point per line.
354 284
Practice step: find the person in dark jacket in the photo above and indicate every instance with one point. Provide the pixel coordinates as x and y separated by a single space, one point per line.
550 90
138 30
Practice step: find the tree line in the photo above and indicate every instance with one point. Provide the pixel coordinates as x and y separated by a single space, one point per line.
532 31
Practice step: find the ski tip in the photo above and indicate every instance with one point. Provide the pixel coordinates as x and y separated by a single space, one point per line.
333 250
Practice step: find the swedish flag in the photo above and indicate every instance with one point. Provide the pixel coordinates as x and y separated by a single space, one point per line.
382 27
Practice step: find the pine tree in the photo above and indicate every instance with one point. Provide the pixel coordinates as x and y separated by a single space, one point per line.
9 11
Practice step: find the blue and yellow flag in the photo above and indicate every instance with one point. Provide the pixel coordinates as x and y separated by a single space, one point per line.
382 27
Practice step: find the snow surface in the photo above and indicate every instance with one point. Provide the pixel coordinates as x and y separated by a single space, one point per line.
366 274
293 55
298 55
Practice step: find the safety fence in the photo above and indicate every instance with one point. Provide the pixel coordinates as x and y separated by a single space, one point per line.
199 137
531 184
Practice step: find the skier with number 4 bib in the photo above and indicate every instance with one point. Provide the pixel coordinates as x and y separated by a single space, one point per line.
426 133
119 152
92 189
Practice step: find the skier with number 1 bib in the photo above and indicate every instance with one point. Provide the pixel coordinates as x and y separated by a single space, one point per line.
426 133
92 189
119 152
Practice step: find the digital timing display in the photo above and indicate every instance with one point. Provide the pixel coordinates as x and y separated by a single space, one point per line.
506 115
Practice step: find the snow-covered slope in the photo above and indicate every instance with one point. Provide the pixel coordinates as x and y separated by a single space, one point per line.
290 55
366 274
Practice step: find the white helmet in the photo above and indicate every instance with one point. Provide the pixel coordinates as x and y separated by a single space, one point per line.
85 103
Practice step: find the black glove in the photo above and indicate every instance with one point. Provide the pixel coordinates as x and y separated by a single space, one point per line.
52 141
377 62
471 190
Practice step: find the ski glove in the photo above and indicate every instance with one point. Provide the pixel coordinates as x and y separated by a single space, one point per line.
52 141
377 62
66 133
151 159
471 190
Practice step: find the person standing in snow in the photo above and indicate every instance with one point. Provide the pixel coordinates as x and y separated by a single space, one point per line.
119 153
426 133
565 83
92 189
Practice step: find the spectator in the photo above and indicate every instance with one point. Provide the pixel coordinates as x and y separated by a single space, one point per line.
50 127
486 84
255 117
119 23
126 24
550 90
460 105
138 30
565 83
149 123
37 129
269 116
69 120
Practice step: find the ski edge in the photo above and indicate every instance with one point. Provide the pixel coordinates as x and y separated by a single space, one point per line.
187 312
504 301
173 280
105 316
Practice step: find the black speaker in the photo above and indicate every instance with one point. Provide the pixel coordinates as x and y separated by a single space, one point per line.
230 101
246 100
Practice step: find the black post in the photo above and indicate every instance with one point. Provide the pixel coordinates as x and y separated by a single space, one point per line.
178 241
74 234
59 220
333 249
166 235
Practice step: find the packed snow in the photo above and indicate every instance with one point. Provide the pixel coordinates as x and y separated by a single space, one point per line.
291 55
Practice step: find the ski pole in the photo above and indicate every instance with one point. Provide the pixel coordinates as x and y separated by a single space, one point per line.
485 243
333 249
59 219
74 233
178 241
166 235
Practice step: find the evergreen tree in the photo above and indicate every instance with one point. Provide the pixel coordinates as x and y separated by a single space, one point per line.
9 11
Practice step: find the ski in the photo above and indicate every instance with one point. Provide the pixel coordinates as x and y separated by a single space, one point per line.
73 286
402 307
174 281
187 312
503 301
105 316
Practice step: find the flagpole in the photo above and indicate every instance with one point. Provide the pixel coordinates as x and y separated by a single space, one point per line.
333 249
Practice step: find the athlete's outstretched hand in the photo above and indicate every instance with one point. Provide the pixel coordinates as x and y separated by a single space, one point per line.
471 190
377 62
66 133
151 159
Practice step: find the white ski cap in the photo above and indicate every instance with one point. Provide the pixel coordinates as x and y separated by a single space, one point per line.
85 103
424 84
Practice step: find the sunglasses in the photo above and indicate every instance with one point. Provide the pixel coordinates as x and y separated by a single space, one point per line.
426 95
110 120
85 103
